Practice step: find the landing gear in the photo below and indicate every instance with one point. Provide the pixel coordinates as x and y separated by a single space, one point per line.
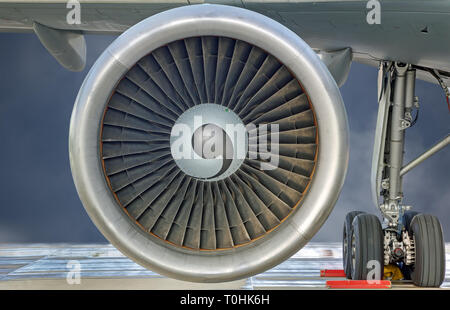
407 240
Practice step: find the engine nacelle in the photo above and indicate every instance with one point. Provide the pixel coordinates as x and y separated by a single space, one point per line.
180 78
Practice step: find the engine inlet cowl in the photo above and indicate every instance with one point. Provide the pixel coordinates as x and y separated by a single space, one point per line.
208 143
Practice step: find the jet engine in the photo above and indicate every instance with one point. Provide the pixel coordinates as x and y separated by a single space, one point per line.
208 143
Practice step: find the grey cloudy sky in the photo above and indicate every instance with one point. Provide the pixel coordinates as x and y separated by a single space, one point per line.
38 200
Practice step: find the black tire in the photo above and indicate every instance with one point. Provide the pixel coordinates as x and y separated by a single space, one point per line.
346 242
429 267
367 246
407 218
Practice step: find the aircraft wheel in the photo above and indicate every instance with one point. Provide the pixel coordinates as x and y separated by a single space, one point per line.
367 248
429 267
346 243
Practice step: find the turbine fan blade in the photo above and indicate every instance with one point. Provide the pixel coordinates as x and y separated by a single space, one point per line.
191 212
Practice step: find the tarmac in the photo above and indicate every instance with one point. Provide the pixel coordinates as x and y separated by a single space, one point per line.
101 266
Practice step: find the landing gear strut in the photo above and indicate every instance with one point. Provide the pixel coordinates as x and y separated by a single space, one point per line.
411 241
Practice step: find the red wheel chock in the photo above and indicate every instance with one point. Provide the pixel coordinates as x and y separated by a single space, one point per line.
351 284
332 273
359 284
